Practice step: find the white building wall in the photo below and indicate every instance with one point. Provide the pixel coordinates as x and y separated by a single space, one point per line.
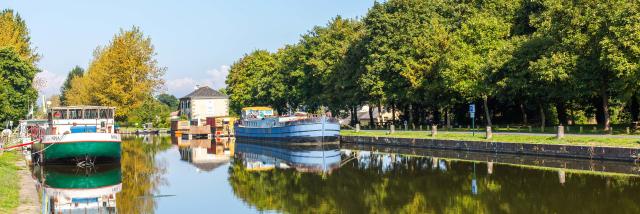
209 107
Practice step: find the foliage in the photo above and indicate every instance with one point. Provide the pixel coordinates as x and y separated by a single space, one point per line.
9 186
74 73
123 74
15 34
169 100
426 58
151 111
17 94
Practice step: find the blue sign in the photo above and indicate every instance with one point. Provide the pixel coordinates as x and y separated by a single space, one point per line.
472 108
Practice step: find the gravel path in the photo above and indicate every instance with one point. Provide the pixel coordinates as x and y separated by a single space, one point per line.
29 200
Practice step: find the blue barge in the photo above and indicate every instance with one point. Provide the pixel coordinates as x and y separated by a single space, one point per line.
258 125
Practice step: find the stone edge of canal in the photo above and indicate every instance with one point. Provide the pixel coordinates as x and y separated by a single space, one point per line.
568 151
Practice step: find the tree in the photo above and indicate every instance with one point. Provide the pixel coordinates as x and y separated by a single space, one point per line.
14 34
17 94
169 100
122 74
253 81
74 73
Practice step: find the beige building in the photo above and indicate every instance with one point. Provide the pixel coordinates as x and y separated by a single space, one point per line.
202 103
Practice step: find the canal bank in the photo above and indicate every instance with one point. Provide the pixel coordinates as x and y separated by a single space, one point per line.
537 149
17 190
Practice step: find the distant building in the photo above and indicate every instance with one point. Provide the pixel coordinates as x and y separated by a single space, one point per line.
202 103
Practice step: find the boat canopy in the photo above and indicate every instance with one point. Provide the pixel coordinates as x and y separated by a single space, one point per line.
81 112
256 112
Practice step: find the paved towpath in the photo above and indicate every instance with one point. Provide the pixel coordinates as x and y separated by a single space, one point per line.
521 133
29 201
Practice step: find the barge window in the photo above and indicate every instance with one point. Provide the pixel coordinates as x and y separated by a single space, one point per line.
60 114
106 113
75 114
91 114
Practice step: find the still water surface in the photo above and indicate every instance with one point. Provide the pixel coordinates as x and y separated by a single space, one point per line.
165 175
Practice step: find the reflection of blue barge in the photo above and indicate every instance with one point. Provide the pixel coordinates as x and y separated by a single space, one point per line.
259 125
323 158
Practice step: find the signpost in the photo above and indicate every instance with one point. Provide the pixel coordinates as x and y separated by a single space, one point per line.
472 114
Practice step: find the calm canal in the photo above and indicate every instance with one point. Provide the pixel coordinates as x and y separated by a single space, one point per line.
165 175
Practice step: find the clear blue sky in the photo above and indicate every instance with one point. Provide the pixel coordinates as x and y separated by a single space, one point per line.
195 40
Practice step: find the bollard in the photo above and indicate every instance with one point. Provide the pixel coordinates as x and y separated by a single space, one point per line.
628 130
489 134
460 126
560 133
530 129
357 127
611 130
434 130
392 129
580 129
568 129
420 127
468 127
594 128
507 127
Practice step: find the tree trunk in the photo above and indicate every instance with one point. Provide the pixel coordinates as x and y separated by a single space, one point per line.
380 119
634 108
393 113
524 114
542 116
447 117
605 109
371 120
486 109
562 113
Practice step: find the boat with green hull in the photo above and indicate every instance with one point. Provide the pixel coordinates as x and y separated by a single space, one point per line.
79 133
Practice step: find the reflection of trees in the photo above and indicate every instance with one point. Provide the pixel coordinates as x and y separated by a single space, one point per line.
397 184
141 174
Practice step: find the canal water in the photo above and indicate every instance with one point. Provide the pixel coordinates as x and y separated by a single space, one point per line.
171 175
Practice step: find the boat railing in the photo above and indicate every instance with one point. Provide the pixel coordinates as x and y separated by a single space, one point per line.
274 123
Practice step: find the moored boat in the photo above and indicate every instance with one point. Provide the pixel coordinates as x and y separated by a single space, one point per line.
79 133
260 125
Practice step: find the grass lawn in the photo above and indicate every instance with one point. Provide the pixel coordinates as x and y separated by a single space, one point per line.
9 182
505 137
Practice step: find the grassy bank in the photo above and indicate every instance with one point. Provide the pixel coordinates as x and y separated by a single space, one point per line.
507 138
9 180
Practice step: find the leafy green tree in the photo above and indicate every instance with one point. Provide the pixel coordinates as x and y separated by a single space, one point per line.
74 73
169 100
252 81
17 94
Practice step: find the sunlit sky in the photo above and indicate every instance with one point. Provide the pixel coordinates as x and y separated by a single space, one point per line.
196 40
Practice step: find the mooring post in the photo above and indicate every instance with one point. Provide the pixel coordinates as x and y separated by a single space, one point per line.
420 127
392 129
489 134
434 130
560 133
358 127
628 131
530 129
580 129
568 128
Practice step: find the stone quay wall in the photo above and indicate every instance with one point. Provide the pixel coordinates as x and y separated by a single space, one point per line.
553 150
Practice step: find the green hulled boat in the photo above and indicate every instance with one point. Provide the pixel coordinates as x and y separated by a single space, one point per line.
79 133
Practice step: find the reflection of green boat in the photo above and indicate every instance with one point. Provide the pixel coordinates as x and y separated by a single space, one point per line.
79 132
70 189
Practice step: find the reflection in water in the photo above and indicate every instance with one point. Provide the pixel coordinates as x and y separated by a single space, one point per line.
141 173
67 189
128 187
205 154
394 183
333 179
310 158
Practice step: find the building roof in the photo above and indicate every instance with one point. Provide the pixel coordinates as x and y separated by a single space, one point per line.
205 92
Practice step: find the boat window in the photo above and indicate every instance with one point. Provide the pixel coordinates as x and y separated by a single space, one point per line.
106 113
91 114
75 114
60 114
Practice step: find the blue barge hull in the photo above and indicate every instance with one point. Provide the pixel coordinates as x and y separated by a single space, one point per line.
270 131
